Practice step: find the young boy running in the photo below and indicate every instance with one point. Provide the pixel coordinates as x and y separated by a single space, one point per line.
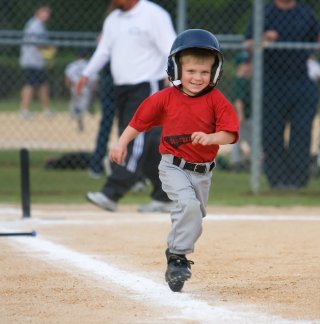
195 118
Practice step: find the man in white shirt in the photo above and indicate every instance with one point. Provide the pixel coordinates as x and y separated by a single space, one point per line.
136 39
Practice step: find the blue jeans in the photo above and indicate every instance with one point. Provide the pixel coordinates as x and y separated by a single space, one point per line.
107 115
293 102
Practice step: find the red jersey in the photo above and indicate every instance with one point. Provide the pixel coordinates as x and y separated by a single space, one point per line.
180 115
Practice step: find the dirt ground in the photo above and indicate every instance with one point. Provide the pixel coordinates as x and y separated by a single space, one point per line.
59 132
252 265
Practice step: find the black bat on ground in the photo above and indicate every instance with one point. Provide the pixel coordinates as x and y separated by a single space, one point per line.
33 233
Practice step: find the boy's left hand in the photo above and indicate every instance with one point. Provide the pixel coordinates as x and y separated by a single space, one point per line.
118 154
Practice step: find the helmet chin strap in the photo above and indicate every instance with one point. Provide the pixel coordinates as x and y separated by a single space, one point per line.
199 94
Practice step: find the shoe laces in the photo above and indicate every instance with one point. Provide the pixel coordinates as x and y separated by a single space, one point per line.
180 261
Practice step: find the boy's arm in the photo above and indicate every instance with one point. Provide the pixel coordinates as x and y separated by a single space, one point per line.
119 152
219 138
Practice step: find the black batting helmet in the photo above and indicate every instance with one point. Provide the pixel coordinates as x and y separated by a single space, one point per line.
194 38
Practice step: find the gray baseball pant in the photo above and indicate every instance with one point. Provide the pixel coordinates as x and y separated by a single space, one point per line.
190 191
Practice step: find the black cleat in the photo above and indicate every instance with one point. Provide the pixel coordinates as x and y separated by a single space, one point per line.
178 270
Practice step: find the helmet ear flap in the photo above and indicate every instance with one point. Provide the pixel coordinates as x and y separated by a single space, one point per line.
220 75
217 71
174 68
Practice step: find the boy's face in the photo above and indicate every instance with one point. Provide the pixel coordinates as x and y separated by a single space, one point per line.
195 75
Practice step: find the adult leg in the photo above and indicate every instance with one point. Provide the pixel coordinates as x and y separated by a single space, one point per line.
27 93
302 115
108 110
128 98
273 125
123 177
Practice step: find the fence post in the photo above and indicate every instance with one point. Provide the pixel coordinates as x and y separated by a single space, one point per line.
257 90
181 15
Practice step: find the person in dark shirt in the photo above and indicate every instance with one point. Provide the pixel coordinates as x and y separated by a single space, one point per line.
290 97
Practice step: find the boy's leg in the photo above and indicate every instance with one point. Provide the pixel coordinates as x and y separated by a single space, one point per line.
190 193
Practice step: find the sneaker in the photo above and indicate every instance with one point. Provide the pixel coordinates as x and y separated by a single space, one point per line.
94 175
102 201
178 270
49 113
139 186
156 206
26 114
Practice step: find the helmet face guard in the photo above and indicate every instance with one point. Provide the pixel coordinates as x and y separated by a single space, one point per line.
195 38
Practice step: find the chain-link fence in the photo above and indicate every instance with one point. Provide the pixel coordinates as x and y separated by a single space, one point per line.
279 129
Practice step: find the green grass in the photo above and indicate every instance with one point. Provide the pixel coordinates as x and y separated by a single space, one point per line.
12 104
70 186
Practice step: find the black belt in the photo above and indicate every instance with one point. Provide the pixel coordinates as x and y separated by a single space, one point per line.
195 167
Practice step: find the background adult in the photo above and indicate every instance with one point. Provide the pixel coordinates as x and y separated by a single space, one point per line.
32 60
290 97
136 39
241 98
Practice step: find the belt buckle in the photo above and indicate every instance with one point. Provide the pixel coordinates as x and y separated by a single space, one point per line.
200 168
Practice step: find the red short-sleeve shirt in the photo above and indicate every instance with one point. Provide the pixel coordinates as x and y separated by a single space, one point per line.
180 115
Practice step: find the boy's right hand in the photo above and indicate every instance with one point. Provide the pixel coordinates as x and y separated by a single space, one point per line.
118 153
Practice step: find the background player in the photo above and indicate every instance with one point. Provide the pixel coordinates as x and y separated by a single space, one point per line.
79 103
34 50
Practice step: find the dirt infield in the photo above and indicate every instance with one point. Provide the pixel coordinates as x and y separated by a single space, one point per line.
252 265
61 133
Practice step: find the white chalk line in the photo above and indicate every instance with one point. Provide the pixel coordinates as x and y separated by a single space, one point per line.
59 217
142 288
